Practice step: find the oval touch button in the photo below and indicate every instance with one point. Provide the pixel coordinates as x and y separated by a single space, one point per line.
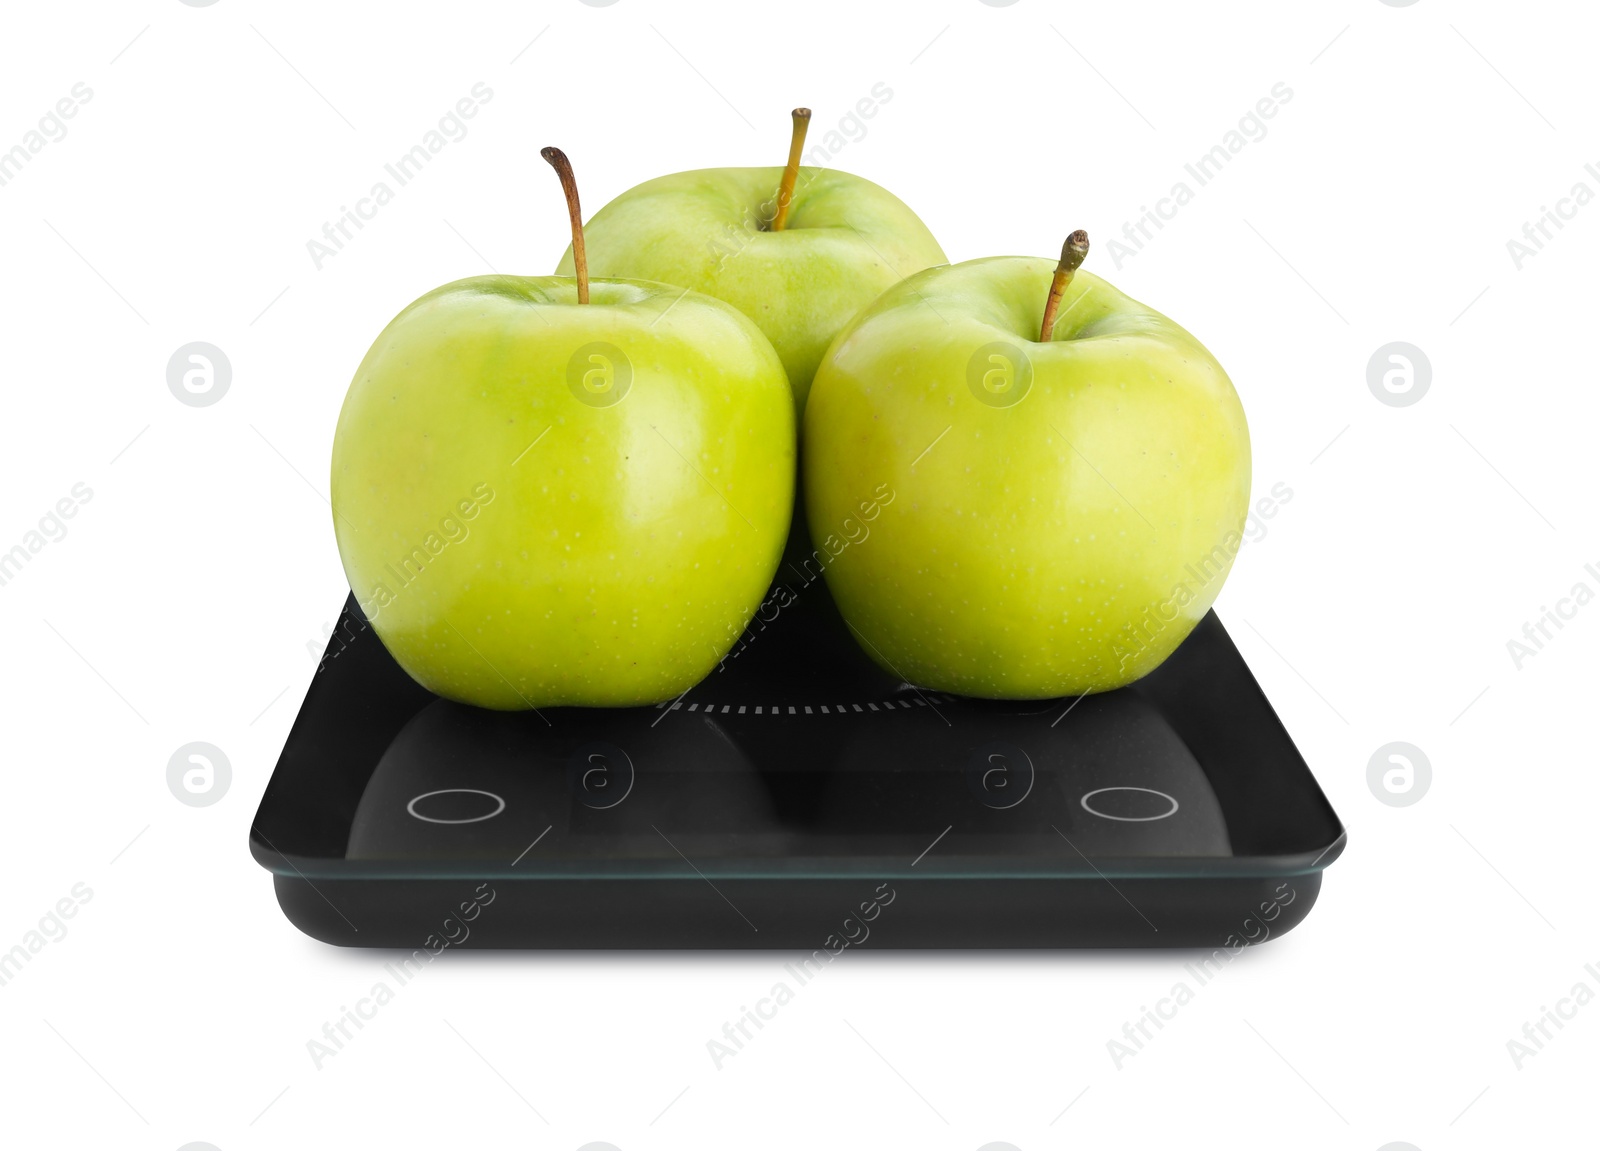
1129 804
456 805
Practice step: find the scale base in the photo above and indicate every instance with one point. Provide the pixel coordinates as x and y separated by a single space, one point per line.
799 915
800 798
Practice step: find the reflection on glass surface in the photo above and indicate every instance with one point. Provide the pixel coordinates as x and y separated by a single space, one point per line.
879 779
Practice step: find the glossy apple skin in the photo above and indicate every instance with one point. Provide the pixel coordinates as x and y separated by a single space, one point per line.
1036 548
846 240
562 552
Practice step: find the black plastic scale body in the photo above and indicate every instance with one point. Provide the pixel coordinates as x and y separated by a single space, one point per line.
798 798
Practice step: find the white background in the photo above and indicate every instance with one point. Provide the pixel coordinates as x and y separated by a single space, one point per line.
1419 540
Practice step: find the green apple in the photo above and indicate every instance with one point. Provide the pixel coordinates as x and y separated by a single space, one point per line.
1057 477
547 497
798 250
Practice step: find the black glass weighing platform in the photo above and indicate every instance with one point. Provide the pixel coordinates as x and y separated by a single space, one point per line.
799 797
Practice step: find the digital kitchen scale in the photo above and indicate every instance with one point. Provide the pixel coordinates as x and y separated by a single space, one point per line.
799 797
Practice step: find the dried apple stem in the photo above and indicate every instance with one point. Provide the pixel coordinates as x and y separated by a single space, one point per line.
791 170
569 185
1072 254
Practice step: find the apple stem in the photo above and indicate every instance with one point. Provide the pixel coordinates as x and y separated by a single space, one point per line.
791 170
1072 254
569 185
